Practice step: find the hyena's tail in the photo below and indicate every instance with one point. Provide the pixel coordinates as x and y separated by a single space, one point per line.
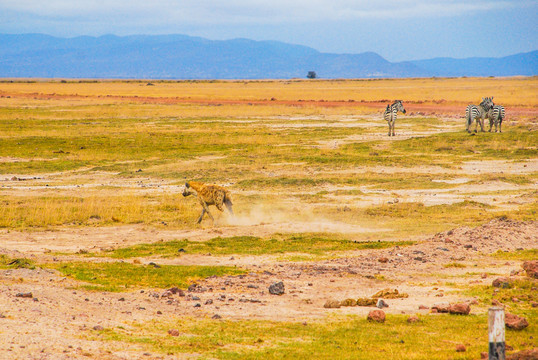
228 203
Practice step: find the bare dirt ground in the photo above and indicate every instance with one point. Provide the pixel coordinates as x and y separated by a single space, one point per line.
53 322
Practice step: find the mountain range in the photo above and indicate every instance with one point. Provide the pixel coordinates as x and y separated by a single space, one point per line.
187 57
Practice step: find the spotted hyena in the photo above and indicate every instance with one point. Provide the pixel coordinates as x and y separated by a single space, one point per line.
208 194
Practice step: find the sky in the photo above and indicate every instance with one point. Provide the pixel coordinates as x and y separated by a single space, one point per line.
398 30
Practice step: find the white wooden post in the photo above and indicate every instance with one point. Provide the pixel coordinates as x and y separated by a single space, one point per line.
497 346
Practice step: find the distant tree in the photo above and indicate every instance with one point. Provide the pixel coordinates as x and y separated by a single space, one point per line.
311 75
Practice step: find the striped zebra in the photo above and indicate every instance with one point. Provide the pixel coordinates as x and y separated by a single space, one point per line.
477 113
496 116
390 114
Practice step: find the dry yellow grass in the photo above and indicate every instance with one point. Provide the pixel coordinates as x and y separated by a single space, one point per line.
507 91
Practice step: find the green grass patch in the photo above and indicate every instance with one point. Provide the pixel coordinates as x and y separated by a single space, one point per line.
251 245
18 263
121 276
522 255
339 337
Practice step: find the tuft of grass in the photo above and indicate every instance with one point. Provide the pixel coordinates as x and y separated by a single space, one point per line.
121 276
455 265
522 255
337 337
251 245
19 263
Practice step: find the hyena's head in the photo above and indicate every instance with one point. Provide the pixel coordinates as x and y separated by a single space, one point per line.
188 190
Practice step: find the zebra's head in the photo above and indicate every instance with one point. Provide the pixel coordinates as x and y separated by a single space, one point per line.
487 103
399 106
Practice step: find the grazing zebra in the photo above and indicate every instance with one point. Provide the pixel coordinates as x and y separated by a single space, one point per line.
477 113
496 116
390 114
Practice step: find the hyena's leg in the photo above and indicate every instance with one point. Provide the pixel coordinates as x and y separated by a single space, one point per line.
228 204
205 209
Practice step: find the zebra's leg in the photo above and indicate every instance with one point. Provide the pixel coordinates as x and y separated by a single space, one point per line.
482 124
491 125
393 123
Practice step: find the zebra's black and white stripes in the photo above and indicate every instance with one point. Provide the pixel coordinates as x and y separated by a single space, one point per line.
496 116
390 114
478 113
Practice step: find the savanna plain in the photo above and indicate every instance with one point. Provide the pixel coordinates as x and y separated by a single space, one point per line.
101 256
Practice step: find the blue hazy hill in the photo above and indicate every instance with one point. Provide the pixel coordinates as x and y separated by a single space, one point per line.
186 57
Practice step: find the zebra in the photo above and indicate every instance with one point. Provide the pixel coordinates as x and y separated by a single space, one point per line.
478 113
496 116
390 114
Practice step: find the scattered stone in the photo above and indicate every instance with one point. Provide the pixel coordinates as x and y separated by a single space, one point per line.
503 283
216 316
98 328
154 265
277 288
534 304
173 332
252 286
441 308
389 294
381 304
459 309
383 260
197 305
166 294
195 298
208 302
24 295
413 319
461 348
376 315
515 322
484 275
159 312
348 302
531 268
496 302
332 304
423 307
366 302
530 354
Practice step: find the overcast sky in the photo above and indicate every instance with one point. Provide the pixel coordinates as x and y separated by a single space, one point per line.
395 29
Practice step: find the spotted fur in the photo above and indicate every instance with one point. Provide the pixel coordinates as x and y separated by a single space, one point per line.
208 194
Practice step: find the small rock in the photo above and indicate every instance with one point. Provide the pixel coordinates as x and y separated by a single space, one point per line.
366 302
413 319
530 354
423 307
216 316
534 304
277 288
503 283
515 322
332 304
531 268
173 332
468 246
159 312
461 348
459 309
208 302
441 308
197 305
381 304
25 295
376 315
496 302
348 302
383 260
98 328
121 299
484 275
